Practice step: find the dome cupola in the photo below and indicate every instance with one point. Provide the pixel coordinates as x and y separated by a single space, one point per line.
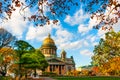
48 47
63 55
48 41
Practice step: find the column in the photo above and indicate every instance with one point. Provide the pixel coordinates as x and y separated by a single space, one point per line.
51 68
48 69
50 51
59 69
45 51
63 69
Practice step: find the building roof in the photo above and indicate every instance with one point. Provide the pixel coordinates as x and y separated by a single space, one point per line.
58 59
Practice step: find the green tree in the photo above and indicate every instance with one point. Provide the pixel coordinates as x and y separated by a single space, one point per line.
107 48
106 53
34 61
22 47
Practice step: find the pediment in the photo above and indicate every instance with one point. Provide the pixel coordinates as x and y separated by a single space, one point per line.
54 60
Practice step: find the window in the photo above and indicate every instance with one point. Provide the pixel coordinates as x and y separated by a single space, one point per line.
62 66
50 68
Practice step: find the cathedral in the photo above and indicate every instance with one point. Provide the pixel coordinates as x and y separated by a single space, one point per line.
59 65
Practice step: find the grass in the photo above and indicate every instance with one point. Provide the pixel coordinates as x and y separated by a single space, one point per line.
5 78
77 78
87 78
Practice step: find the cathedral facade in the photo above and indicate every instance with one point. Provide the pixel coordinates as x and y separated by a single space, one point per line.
59 65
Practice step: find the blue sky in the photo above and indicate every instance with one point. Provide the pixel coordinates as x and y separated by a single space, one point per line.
74 33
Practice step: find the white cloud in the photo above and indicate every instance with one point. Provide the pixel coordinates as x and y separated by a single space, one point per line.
93 22
16 25
39 33
78 18
85 43
63 38
81 19
95 43
63 35
90 40
71 45
93 38
82 28
86 52
101 33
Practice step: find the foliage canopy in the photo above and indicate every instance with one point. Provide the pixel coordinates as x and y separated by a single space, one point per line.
107 48
107 54
42 10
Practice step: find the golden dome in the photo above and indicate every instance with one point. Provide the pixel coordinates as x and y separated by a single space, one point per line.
48 41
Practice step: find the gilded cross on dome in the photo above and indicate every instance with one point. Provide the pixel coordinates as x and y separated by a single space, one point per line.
49 35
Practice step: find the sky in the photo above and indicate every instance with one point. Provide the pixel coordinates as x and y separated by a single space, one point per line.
74 33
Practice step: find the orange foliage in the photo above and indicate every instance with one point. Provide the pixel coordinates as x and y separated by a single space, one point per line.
85 72
95 69
17 3
7 54
112 67
7 59
75 73
110 17
5 51
14 67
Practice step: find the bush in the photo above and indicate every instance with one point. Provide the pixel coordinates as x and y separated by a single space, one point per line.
51 74
5 78
85 72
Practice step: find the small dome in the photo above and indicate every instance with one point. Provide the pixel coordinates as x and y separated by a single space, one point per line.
63 52
48 41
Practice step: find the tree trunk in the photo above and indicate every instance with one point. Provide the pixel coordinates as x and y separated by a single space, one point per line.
3 70
20 67
26 74
35 73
